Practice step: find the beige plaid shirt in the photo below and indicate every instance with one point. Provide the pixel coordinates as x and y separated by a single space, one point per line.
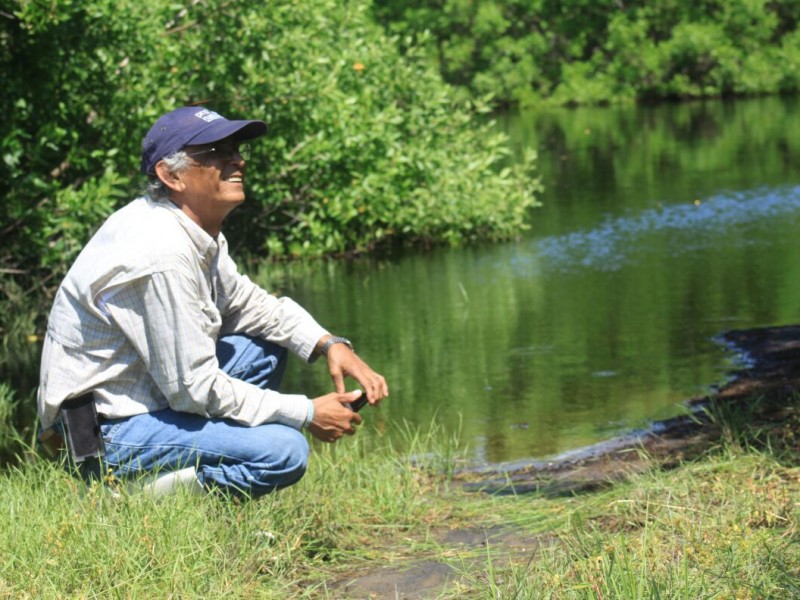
137 318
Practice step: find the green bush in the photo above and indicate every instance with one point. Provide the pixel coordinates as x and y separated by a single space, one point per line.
7 411
689 59
602 51
789 56
366 147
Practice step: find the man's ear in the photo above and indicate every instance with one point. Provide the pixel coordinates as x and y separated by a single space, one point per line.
170 179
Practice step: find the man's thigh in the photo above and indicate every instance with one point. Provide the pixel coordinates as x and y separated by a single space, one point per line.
225 453
168 440
253 360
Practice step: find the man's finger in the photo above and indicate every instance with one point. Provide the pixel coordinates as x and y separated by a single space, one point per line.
338 382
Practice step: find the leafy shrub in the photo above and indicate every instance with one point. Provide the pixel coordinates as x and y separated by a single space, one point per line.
690 59
789 57
600 51
365 147
7 411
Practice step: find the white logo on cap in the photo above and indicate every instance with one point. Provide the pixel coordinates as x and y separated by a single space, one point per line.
207 115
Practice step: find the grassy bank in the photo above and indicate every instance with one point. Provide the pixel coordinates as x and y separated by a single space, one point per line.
721 527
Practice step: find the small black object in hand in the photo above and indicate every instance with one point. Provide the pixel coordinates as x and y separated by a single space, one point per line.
359 404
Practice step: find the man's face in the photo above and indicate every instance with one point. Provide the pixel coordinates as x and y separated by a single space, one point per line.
215 181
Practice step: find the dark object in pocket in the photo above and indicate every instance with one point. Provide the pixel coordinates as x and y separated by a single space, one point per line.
82 428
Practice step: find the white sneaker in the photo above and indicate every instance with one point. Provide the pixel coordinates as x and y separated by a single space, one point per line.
168 484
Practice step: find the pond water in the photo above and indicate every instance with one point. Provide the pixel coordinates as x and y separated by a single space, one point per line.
661 227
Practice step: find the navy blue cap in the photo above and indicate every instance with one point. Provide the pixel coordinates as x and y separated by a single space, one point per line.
189 126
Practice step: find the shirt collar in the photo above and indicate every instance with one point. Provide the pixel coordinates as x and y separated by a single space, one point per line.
206 245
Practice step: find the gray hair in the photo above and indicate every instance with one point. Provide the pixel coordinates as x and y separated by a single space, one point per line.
175 163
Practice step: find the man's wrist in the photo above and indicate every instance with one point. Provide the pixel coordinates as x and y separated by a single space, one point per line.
334 339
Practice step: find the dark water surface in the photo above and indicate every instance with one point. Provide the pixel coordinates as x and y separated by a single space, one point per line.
661 227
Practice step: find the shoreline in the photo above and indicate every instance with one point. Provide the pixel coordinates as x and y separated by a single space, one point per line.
770 372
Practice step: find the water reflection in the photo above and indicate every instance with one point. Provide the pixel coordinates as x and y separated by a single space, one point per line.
690 228
661 228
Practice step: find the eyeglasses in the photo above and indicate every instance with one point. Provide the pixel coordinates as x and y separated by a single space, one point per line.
225 152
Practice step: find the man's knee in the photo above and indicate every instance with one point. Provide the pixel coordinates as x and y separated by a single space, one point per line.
282 469
280 460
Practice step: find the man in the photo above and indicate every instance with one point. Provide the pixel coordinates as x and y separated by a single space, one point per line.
183 355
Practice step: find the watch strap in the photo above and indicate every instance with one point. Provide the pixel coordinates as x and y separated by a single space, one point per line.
334 340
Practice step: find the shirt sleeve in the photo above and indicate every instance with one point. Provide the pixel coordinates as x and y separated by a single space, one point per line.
249 309
171 327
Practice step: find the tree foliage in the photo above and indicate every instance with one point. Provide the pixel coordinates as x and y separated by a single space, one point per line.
366 146
601 51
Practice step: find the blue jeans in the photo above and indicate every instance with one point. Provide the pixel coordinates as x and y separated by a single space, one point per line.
249 461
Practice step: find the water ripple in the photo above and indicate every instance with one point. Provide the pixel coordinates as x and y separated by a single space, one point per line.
610 246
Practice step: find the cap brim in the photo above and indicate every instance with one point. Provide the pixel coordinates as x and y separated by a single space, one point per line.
221 129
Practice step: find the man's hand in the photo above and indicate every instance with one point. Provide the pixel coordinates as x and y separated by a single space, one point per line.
332 417
342 362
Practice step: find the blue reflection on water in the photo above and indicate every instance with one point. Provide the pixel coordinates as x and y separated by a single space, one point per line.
611 245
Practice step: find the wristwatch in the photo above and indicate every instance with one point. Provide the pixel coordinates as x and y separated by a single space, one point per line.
334 340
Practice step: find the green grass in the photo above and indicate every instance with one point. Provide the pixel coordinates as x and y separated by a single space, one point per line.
725 527
61 539
721 527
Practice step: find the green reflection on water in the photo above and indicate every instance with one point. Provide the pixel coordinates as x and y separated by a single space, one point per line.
662 227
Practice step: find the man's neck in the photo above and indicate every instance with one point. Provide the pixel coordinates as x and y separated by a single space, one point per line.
211 224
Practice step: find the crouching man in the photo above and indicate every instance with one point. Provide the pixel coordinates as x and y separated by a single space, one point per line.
179 355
